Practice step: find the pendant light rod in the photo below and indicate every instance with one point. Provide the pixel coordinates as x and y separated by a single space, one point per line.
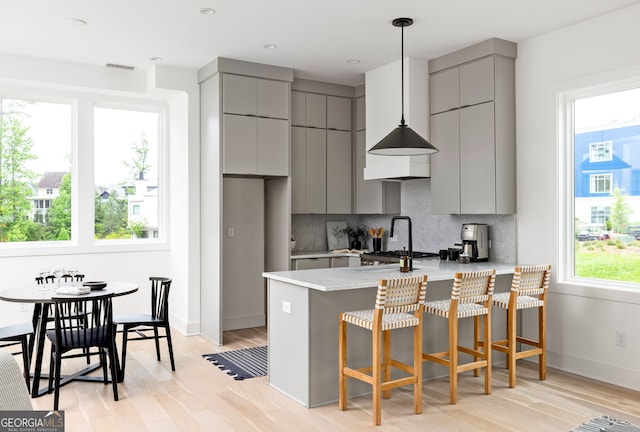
402 23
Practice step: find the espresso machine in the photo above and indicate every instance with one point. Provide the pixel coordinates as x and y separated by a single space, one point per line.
475 241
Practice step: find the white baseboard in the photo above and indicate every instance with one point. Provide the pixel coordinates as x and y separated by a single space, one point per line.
607 372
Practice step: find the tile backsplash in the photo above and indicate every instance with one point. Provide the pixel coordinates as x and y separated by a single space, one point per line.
430 232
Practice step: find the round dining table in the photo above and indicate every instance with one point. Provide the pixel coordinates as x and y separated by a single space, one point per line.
41 296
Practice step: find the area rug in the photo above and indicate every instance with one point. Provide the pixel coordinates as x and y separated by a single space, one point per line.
241 364
606 424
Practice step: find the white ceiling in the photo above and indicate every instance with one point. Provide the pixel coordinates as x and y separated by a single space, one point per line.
315 38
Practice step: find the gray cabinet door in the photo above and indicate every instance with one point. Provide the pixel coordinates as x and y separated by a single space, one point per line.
298 108
477 160
273 147
316 171
338 172
316 110
273 99
444 90
477 81
360 114
298 170
338 113
239 95
240 138
445 165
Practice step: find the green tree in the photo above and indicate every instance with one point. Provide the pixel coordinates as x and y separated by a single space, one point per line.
111 217
619 212
60 212
15 178
140 163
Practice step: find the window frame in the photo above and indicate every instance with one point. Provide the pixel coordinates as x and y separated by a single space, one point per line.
82 181
563 100
593 153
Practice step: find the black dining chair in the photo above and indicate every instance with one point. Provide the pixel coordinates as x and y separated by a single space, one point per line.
97 336
143 323
18 334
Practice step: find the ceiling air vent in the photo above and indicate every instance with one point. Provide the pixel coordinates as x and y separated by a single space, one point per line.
119 66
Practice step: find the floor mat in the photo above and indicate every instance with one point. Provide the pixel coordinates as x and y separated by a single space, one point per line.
241 364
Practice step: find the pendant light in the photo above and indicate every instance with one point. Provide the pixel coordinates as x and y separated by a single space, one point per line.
402 141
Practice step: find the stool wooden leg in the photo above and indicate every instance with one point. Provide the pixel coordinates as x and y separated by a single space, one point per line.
542 338
377 377
342 362
386 363
453 359
487 351
511 340
476 344
417 368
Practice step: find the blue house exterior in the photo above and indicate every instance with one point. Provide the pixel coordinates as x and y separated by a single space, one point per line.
606 159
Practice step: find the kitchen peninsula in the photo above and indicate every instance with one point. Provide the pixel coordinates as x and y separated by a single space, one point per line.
303 308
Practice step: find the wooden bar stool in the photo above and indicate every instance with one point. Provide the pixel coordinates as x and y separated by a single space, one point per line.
470 297
399 304
529 288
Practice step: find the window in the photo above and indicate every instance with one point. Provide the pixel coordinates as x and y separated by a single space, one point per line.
47 143
600 214
603 208
600 151
600 183
35 160
127 166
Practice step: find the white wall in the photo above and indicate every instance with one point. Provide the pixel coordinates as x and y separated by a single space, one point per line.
582 320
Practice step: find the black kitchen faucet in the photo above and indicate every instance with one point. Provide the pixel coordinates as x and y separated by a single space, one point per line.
408 219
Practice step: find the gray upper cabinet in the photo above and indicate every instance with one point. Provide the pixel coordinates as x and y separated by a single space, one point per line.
321 153
255 126
255 146
339 172
474 170
477 82
360 114
338 113
239 95
444 90
245 95
273 99
309 170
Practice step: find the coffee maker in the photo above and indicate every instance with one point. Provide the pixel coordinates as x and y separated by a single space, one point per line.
475 241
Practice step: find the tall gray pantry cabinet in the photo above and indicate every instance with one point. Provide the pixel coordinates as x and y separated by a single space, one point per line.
472 105
245 205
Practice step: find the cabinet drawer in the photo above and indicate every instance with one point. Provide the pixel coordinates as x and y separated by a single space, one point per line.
310 263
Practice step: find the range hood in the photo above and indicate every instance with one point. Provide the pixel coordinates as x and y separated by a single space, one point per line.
383 103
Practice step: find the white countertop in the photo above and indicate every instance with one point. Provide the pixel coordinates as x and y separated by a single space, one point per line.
345 278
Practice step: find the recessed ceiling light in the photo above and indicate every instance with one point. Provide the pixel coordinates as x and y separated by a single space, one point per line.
270 46
77 22
353 61
156 59
207 11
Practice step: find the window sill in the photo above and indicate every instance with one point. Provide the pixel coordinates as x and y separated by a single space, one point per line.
9 250
601 290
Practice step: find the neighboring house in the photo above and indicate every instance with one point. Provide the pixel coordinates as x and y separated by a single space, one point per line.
47 189
143 207
606 159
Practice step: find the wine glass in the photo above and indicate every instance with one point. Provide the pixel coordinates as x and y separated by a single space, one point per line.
72 271
58 272
44 272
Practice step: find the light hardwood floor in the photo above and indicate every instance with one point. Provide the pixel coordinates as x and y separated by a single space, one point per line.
199 397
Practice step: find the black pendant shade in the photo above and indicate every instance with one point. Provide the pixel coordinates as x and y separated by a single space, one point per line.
402 141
